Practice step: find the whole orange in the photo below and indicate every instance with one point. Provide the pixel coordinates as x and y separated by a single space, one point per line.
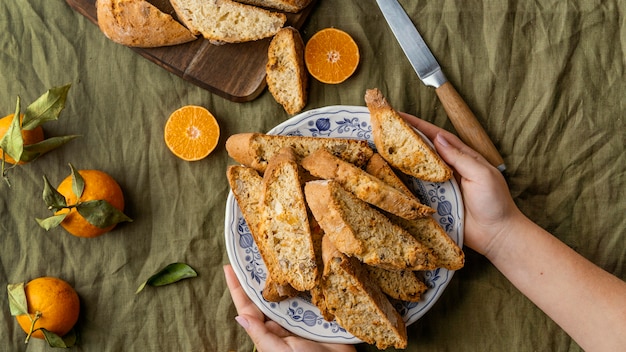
57 303
98 186
29 136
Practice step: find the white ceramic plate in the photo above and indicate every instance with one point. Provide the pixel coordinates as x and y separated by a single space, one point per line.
298 315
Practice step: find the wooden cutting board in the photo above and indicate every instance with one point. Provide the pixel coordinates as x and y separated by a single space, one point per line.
233 71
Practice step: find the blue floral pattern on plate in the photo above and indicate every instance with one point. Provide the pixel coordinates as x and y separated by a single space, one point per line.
298 314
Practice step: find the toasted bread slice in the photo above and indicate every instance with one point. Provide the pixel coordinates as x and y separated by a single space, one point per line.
282 5
359 306
284 223
137 23
226 21
399 144
286 73
404 285
359 230
246 185
255 149
378 167
365 186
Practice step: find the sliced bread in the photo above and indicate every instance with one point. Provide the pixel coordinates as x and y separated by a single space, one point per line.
137 23
286 73
359 230
284 222
255 149
403 285
247 186
378 167
321 163
358 305
227 21
399 144
282 5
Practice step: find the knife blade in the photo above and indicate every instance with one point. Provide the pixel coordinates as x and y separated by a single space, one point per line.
429 71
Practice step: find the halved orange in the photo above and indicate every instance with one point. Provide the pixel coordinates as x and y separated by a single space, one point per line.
191 132
331 56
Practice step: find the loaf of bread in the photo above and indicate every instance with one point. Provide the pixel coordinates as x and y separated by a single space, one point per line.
227 21
282 5
284 222
137 23
403 285
255 149
400 145
246 185
358 230
286 74
365 186
358 305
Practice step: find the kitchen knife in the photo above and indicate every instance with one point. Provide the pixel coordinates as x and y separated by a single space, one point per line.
429 71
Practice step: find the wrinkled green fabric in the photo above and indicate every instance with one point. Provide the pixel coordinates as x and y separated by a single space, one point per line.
546 79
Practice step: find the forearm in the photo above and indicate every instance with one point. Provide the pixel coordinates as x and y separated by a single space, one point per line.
587 302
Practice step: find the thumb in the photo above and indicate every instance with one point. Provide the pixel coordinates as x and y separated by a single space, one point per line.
465 160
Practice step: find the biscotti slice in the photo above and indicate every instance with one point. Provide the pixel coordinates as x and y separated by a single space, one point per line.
404 285
247 186
227 21
378 167
365 186
400 144
255 149
359 230
137 23
359 306
284 223
282 5
286 74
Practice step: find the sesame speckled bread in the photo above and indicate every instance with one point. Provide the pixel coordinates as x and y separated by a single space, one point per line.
255 149
286 73
137 23
283 5
399 144
226 21
404 285
285 224
365 186
359 230
246 185
359 306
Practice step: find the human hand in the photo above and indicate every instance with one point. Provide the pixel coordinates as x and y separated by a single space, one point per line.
268 335
489 208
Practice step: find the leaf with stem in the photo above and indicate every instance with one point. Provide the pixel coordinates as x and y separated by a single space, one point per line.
170 274
101 213
33 151
54 200
78 183
47 107
12 142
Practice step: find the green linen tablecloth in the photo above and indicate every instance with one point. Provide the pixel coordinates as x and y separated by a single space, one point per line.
547 80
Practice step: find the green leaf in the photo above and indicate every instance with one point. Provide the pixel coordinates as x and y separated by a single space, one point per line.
51 222
47 107
170 274
54 200
17 299
57 341
12 142
78 184
101 213
33 151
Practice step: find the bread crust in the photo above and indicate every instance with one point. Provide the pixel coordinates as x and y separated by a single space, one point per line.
283 5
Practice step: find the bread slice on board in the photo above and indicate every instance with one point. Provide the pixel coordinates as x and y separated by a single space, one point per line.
226 21
399 144
255 149
359 305
282 5
358 230
246 185
321 163
137 23
403 285
285 224
286 73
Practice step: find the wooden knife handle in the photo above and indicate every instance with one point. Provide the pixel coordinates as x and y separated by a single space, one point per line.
467 126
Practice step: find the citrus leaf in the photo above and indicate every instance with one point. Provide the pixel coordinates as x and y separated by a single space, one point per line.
101 213
33 151
78 184
47 107
170 274
51 222
53 199
12 142
17 299
57 341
